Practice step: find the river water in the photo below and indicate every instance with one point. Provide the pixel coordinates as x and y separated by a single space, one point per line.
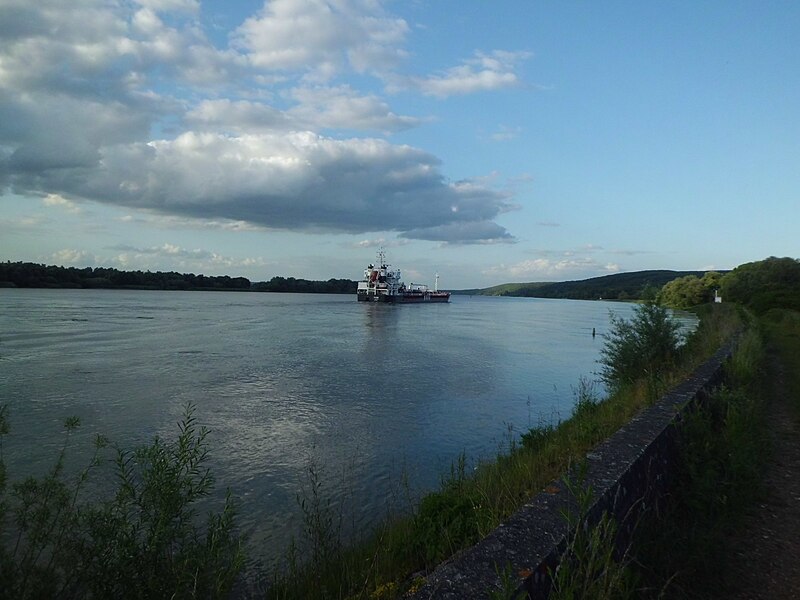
365 394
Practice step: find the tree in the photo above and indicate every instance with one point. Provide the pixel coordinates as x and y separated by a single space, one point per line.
769 283
645 345
686 292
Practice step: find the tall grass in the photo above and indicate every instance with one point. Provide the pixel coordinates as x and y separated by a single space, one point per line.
723 445
594 565
783 330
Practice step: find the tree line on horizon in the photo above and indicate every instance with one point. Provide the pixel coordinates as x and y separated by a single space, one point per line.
33 275
772 281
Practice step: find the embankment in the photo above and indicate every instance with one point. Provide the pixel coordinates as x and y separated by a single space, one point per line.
628 472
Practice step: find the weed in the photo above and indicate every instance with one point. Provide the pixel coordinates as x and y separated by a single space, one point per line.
143 542
593 566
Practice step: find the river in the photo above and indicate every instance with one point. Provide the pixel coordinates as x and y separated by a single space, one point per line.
366 394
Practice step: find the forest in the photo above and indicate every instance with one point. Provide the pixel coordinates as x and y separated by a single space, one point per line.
32 275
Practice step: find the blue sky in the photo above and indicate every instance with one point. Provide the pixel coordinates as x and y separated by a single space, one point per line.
487 141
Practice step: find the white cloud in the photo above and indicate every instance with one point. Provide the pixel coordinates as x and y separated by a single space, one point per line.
484 72
546 268
61 202
71 257
172 256
237 117
343 108
96 97
297 181
322 37
380 243
316 108
188 6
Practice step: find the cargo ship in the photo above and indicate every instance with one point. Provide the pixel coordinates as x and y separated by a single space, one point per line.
382 283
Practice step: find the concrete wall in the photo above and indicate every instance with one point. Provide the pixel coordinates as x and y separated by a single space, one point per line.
627 472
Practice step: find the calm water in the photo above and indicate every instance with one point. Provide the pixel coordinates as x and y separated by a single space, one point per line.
364 391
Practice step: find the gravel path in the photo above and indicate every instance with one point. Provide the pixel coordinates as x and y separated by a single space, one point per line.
767 549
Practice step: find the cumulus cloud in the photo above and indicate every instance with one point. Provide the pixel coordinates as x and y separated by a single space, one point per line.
483 72
172 256
129 103
298 181
548 268
61 202
71 257
323 37
380 243
316 108
189 6
342 108
237 117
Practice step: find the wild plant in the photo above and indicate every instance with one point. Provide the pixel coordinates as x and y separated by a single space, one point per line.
594 566
647 344
142 542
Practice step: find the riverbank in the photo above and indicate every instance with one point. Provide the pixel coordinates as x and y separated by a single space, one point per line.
471 504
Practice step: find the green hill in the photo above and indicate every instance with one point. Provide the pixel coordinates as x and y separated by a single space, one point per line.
620 286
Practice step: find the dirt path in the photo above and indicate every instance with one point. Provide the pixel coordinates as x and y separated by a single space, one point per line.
767 550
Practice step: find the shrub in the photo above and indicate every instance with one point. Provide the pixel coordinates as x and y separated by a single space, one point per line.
143 542
645 345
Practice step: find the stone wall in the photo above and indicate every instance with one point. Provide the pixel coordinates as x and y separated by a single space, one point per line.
628 472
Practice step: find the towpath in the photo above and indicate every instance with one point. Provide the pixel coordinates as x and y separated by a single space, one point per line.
766 551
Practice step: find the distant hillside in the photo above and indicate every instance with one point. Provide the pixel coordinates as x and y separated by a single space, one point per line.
620 286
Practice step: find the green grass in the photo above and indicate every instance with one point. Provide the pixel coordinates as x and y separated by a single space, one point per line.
783 333
723 447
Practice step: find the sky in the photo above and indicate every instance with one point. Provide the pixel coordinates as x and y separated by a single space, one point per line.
488 142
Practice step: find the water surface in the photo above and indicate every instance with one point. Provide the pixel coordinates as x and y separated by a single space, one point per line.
363 391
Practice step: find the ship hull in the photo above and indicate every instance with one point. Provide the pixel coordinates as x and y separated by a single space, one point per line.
432 298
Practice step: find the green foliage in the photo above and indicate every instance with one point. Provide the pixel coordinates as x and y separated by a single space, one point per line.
770 283
645 345
685 292
593 567
445 522
783 328
22 274
31 275
141 543
723 445
291 284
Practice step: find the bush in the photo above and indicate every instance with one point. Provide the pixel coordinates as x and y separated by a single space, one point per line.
141 543
645 345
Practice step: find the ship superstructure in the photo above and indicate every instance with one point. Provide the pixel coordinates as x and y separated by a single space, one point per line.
383 283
